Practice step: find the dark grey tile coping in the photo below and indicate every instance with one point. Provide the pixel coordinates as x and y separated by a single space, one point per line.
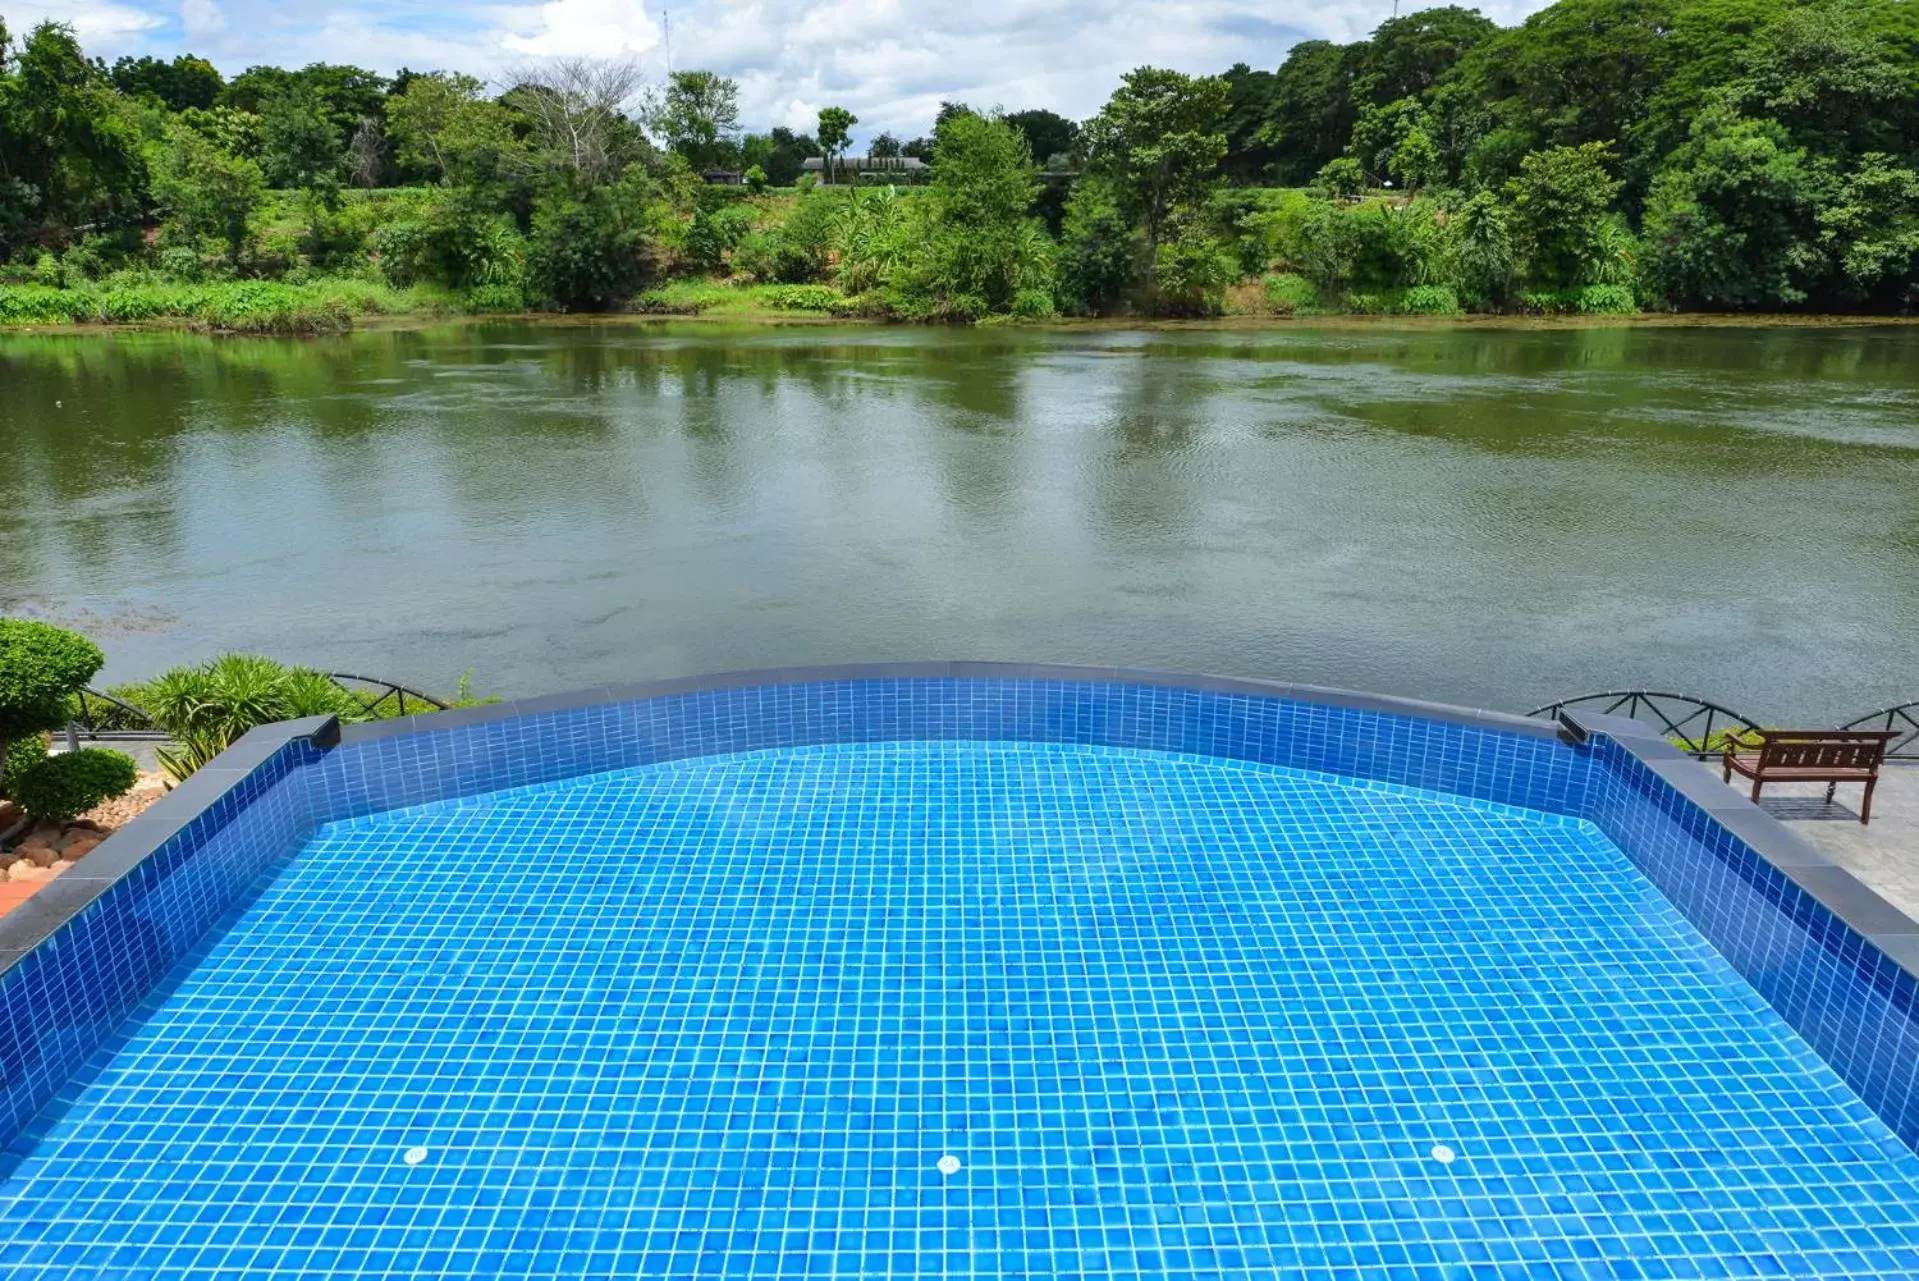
571 700
123 852
1857 905
1850 900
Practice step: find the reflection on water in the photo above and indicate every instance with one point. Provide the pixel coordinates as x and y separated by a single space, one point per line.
1487 516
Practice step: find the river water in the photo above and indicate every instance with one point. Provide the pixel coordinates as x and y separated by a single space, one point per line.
1493 516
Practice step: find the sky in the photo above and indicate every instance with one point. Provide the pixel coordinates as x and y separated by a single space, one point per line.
891 62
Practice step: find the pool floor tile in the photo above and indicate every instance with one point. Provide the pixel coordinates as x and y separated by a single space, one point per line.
958 1010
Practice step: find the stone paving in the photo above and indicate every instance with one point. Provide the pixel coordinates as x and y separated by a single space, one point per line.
1885 853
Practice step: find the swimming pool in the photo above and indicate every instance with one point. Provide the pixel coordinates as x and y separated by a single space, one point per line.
968 977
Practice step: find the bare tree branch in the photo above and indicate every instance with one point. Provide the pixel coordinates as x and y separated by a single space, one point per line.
575 105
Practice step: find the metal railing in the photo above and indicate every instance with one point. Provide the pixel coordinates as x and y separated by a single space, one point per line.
388 690
1903 718
1697 726
102 715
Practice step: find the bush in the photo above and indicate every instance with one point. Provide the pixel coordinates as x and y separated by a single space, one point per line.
1606 300
59 789
42 667
206 707
1291 295
484 298
587 247
42 305
1429 300
803 298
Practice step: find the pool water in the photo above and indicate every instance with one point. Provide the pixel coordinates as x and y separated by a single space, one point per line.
958 1010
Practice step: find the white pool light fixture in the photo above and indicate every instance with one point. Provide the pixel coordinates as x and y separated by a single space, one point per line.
413 1156
948 1165
1443 1154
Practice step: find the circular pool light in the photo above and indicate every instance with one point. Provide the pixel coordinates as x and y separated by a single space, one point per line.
947 1165
413 1156
1443 1154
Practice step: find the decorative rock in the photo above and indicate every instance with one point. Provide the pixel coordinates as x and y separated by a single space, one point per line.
22 870
79 847
61 865
38 855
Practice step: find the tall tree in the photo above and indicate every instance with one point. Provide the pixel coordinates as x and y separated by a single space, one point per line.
69 156
697 115
1048 134
834 133
1159 139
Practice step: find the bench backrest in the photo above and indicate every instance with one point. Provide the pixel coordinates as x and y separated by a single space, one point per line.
1824 749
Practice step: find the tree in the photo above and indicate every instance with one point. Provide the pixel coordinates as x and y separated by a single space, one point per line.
1311 110
41 668
978 250
1730 218
698 115
1560 200
576 108
884 146
587 248
69 154
185 82
1048 135
1870 230
781 154
206 191
1159 140
1097 248
1483 248
298 144
444 126
1409 55
834 133
1250 144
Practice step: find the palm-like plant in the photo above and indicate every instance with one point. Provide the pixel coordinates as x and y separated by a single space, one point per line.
207 706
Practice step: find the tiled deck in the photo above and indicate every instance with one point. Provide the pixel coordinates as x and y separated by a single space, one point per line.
1885 853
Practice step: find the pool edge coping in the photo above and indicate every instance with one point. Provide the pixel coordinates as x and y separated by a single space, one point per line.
1849 900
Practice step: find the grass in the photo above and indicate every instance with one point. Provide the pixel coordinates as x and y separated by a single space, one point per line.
231 306
708 297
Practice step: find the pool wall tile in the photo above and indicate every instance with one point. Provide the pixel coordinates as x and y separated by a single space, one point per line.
89 949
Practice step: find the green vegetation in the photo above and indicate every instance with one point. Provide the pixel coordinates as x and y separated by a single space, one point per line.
206 707
1604 156
41 668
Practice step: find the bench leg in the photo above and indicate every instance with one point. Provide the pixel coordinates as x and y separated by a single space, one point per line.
1756 785
1831 788
1865 806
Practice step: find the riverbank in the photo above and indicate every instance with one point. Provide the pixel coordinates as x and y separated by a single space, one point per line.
333 306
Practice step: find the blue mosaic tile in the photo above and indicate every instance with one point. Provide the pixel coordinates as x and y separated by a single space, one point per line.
1176 1017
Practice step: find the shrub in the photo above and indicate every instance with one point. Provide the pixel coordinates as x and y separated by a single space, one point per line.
42 305
1291 295
1606 300
207 706
1429 300
61 788
495 298
42 667
803 298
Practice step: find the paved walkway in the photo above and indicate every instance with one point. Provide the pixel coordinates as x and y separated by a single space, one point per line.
1885 853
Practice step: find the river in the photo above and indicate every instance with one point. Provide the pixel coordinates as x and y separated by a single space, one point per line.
1493 516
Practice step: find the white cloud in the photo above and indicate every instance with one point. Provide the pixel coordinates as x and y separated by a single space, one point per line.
102 28
201 18
890 61
585 28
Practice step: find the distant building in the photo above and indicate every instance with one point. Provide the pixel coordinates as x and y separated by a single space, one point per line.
722 177
859 166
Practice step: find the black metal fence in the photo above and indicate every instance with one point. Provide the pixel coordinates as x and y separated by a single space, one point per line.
102 715
1699 726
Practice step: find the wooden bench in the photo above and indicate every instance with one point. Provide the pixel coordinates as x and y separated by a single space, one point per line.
1829 756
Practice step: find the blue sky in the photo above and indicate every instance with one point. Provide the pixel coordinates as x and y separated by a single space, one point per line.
890 61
